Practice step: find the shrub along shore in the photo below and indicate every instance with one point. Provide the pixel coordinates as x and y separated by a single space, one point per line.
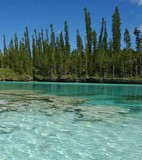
10 75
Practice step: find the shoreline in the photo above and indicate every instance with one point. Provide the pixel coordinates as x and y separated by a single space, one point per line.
93 80
84 80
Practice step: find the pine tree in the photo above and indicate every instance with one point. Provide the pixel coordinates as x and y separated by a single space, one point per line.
35 53
6 55
35 58
94 56
62 44
58 57
21 55
40 52
116 30
27 54
88 30
127 39
116 38
1 59
11 55
62 52
79 55
16 54
110 56
102 57
74 64
105 43
100 42
88 47
27 42
138 68
126 58
52 53
67 50
45 61
67 43
137 33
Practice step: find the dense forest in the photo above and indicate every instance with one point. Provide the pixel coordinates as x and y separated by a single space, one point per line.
45 56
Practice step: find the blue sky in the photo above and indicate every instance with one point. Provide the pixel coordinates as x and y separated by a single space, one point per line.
16 14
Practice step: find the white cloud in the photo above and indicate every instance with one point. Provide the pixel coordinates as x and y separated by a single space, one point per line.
140 27
139 2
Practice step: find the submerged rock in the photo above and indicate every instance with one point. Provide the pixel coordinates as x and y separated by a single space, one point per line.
97 113
3 102
3 109
25 101
69 109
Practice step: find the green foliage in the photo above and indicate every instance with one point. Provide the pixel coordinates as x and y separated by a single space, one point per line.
137 33
49 57
116 30
127 39
7 74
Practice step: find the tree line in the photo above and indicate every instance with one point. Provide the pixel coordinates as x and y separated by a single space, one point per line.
48 56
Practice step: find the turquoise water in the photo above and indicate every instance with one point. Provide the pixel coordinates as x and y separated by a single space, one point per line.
67 121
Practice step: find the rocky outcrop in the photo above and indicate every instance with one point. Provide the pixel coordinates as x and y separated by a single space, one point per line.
24 101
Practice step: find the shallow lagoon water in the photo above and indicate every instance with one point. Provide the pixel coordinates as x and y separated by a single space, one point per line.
51 121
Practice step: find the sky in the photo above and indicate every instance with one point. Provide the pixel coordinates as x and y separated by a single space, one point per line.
15 15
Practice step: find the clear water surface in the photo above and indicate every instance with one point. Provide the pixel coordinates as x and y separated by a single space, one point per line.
70 121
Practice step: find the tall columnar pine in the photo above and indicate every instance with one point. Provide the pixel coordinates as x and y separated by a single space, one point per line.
11 55
79 55
105 43
67 50
27 53
27 42
45 60
58 57
67 43
116 38
88 30
62 44
102 56
94 42
105 48
138 36
127 39
35 58
36 61
126 57
100 42
62 53
21 53
42 37
1 59
88 47
6 55
52 52
110 60
16 54
40 52
94 51
116 30
37 50
137 33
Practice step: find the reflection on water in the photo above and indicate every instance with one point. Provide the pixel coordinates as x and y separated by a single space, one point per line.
40 121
